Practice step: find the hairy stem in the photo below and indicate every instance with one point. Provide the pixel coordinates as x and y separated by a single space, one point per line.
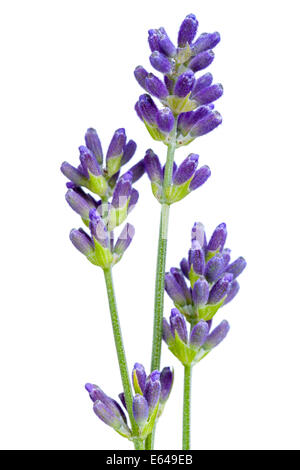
186 422
138 443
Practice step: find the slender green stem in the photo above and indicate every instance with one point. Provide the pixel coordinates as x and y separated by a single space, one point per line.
161 267
186 422
138 443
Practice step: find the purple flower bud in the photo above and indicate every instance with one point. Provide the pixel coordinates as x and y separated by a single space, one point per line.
166 382
165 120
129 151
167 332
186 170
185 267
184 84
95 392
153 166
209 94
200 177
140 74
217 335
165 43
169 84
137 171
79 203
187 30
117 144
122 190
237 267
98 228
199 334
179 278
220 289
106 414
140 409
174 290
197 258
202 82
72 174
93 143
226 257
97 395
200 292
187 120
214 268
156 87
205 41
138 110
153 40
140 373
134 197
218 238
198 234
82 241
89 162
160 62
148 109
201 61
124 239
178 323
122 399
152 390
233 290
206 124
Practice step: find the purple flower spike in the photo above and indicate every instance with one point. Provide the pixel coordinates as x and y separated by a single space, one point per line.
200 177
186 170
98 228
93 143
201 61
217 335
89 162
156 87
174 290
200 292
185 267
165 43
152 390
140 373
220 289
199 334
124 239
187 30
122 190
209 94
233 290
79 203
117 144
82 241
207 124
140 409
165 120
214 268
166 382
237 267
178 323
202 82
153 166
140 74
160 62
129 151
167 332
148 109
218 238
137 171
184 84
205 41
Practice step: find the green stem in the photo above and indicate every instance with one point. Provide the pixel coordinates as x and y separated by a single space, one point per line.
186 423
138 443
161 267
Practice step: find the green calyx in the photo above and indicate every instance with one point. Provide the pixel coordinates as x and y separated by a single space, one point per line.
187 354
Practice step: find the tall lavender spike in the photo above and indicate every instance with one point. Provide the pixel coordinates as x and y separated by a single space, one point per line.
93 143
165 120
200 292
184 84
166 382
220 289
178 323
152 390
205 41
88 161
199 334
153 166
214 268
124 239
140 409
129 151
174 290
217 335
209 94
207 124
233 290
160 62
186 170
156 87
200 177
187 30
139 374
98 228
218 238
82 241
237 267
201 61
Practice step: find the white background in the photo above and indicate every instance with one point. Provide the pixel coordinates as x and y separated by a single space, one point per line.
68 65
